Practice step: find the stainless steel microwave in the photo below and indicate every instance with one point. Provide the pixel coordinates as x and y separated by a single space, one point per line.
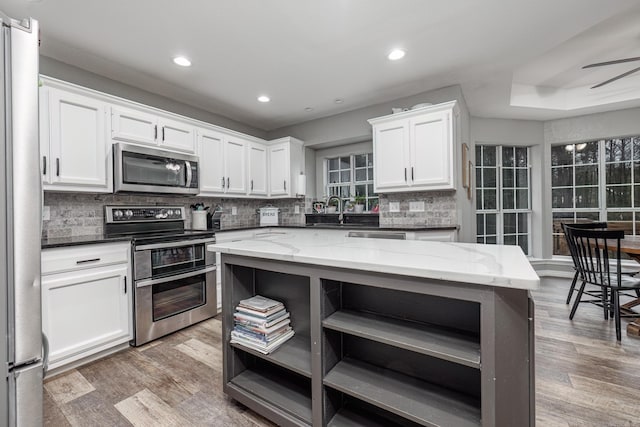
149 170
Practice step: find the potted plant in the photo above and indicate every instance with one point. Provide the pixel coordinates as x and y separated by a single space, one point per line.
359 204
332 206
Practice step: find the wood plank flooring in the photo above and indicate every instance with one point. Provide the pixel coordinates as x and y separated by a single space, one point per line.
583 377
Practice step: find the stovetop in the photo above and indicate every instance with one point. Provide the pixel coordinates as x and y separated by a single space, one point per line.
150 224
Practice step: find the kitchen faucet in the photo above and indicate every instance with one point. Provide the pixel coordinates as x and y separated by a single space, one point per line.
341 216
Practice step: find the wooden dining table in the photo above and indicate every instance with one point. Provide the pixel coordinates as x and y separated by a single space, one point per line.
630 245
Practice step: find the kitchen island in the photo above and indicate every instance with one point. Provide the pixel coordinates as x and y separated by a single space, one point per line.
386 332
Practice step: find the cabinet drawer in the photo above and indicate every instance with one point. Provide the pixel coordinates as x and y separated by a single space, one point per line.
57 260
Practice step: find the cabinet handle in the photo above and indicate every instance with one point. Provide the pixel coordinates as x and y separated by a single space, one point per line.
44 165
285 185
58 166
405 174
162 133
125 284
251 185
412 173
84 261
228 183
155 132
223 182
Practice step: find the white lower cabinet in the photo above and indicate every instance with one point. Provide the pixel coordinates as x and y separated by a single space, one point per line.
86 300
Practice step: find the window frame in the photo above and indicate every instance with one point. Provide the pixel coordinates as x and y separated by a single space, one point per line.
370 199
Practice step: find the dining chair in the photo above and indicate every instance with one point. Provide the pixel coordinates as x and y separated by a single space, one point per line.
592 249
585 226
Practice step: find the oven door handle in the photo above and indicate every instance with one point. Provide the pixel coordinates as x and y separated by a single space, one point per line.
174 244
149 282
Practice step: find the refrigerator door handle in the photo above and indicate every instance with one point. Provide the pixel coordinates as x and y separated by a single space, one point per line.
45 354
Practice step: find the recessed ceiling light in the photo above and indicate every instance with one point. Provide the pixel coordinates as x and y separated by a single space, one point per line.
396 54
264 98
338 100
308 109
182 61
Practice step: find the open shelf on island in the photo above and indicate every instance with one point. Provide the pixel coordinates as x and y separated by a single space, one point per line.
275 387
419 337
295 354
409 397
356 413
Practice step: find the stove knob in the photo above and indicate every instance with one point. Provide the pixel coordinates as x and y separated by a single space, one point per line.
128 213
117 214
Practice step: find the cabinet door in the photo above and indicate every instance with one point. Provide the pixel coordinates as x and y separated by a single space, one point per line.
391 155
211 154
133 126
85 312
431 151
257 169
77 139
176 135
235 165
279 167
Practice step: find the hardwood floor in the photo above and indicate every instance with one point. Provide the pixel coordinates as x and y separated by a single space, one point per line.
583 377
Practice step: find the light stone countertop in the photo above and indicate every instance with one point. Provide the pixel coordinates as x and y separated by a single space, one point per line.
490 265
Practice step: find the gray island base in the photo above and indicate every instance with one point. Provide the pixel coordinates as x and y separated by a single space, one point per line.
377 349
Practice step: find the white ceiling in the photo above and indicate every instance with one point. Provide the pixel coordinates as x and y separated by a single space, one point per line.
306 54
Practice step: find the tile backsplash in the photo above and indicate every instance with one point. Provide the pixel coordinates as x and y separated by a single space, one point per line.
439 209
80 214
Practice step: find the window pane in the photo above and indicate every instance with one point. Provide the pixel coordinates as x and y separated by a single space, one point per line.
491 223
521 157
636 195
489 156
562 176
334 177
361 174
523 242
489 177
490 240
587 175
345 176
620 221
587 216
479 224
636 148
522 178
361 190
478 155
509 223
587 152
522 199
333 164
562 198
523 223
370 190
508 177
617 150
587 197
561 156
345 162
619 196
344 192
508 201
509 240
507 156
370 174
479 199
361 160
490 201
618 173
372 203
478 177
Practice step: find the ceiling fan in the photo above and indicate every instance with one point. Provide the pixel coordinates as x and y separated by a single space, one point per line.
617 61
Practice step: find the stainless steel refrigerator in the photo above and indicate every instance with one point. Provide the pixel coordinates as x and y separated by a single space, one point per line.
21 352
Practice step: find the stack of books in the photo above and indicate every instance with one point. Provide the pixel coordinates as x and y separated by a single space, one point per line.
261 324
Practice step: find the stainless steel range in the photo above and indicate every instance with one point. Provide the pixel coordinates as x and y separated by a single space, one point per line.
174 275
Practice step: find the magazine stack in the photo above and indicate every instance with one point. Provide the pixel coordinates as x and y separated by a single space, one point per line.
261 324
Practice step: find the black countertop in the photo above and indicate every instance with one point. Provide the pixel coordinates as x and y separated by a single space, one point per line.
56 242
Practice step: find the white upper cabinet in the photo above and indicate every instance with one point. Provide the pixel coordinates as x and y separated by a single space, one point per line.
257 167
132 125
235 165
415 150
223 163
73 142
286 162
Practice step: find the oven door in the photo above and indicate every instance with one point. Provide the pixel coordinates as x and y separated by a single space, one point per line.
170 258
154 171
167 304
